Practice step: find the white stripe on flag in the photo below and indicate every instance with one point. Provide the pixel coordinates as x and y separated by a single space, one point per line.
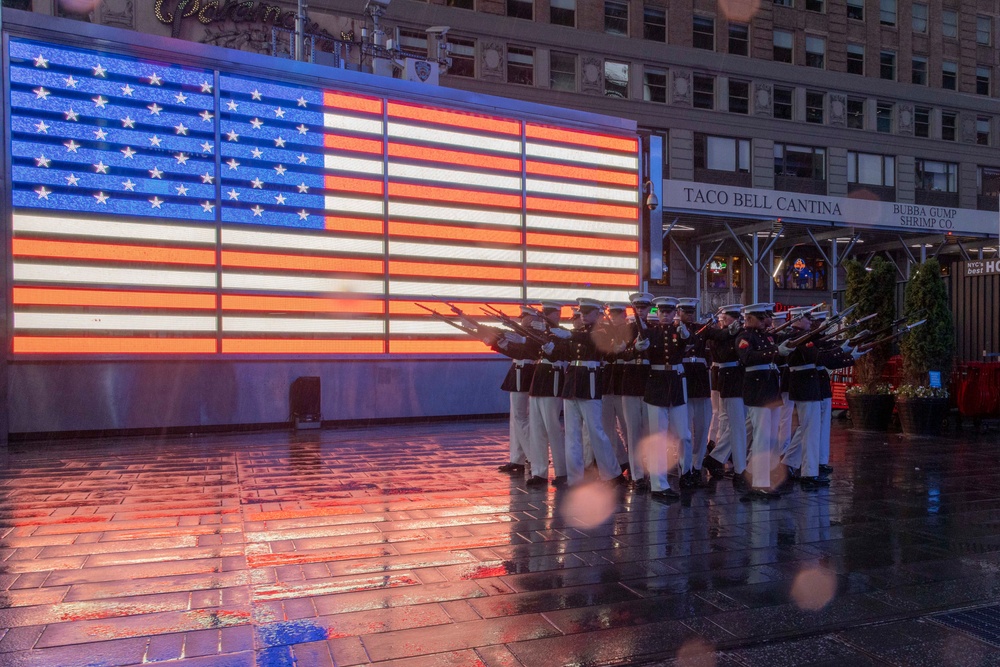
590 158
628 262
353 164
311 242
571 293
454 138
472 253
112 276
271 283
404 288
584 226
630 196
120 230
427 327
113 322
352 123
454 176
302 325
349 205
453 214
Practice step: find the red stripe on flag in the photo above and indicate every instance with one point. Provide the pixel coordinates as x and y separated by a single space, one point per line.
536 239
353 144
575 208
628 179
110 252
463 271
438 347
357 185
302 304
45 296
292 346
352 102
587 139
453 157
449 233
582 277
433 193
97 345
474 309
261 260
465 121
353 225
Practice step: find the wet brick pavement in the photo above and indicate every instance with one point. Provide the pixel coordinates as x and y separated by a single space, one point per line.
403 546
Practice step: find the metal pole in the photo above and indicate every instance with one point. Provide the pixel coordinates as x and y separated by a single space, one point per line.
697 279
923 253
756 270
300 46
770 278
834 261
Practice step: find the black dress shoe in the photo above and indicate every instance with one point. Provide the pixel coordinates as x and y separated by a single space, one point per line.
511 467
560 481
537 481
826 469
812 483
641 485
699 479
620 480
716 469
666 494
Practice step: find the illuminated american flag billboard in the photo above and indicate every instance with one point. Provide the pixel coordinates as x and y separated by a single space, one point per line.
166 209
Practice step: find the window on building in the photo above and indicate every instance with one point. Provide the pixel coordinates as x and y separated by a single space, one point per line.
988 181
887 12
784 3
921 122
814 5
782 103
804 269
949 75
949 123
615 17
783 42
883 116
562 71
654 24
703 33
724 272
739 96
800 161
935 176
704 91
463 57
461 4
984 30
868 169
855 59
983 130
856 10
814 106
616 79
520 9
562 12
919 11
654 85
983 76
918 72
520 65
815 52
887 65
739 39
949 23
722 153
855 114
413 41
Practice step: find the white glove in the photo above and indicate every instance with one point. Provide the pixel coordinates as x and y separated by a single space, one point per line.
514 338
784 350
734 327
539 325
620 347
502 343
642 345
857 355
548 347
559 332
846 347
682 331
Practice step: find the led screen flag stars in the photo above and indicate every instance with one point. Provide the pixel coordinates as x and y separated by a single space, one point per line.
136 129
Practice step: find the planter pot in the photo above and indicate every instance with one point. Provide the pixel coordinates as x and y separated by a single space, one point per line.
922 416
871 412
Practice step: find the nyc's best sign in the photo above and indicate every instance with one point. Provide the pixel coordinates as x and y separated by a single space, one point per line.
982 267
715 199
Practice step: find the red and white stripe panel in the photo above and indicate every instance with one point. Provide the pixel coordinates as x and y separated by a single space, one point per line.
95 286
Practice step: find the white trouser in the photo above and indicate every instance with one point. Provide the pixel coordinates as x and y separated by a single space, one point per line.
732 441
520 432
613 421
700 412
668 428
825 415
713 430
785 422
765 444
634 413
804 451
580 415
546 432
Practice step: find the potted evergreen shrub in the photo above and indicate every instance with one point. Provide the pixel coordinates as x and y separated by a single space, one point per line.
922 408
870 399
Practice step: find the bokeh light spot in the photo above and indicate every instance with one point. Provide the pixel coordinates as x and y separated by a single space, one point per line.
589 505
813 588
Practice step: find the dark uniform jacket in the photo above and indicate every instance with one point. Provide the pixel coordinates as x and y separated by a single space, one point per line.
584 350
635 369
699 384
548 379
665 386
757 351
619 334
522 371
729 382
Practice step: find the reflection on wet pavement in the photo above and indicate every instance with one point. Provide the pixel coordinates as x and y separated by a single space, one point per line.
403 546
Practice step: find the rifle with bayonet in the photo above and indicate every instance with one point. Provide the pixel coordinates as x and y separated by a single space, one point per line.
795 319
711 320
641 324
908 328
474 332
514 325
816 334
879 332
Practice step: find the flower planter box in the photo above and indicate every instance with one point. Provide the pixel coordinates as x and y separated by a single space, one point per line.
921 416
871 412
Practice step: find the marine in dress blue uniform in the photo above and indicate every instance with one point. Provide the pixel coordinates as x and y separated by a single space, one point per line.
698 391
634 375
545 403
731 440
761 396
